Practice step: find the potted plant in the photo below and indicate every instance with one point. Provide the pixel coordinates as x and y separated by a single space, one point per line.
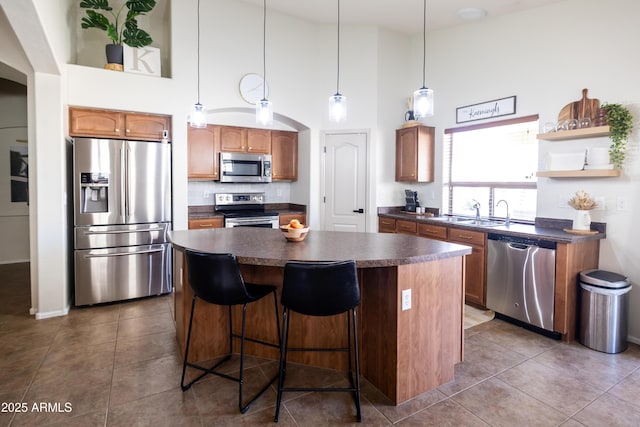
620 123
582 202
119 30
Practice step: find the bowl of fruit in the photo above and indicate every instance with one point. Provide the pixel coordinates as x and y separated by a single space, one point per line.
294 231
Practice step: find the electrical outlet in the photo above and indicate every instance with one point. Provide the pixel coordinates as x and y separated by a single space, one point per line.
621 203
406 299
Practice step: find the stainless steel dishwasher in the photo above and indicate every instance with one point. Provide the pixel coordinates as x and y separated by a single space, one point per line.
521 278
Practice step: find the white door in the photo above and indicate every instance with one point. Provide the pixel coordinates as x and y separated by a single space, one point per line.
345 182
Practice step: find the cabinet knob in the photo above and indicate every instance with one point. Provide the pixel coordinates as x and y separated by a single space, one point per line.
127 130
117 130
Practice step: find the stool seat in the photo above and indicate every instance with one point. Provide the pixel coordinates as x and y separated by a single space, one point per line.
216 279
321 289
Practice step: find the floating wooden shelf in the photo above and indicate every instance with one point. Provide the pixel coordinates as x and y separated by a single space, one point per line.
590 173
562 135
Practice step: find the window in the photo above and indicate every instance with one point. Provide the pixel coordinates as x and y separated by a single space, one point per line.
490 162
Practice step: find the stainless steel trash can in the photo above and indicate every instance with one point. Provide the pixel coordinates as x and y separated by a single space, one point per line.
604 306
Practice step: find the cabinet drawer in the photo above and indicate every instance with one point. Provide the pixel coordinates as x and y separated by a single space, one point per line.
407 227
432 231
459 235
212 222
386 225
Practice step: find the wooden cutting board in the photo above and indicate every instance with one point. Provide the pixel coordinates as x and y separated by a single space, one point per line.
584 107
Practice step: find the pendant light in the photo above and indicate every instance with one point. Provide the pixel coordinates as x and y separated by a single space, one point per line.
338 102
198 118
264 108
423 97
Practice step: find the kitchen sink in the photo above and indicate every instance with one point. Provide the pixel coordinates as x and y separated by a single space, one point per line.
483 222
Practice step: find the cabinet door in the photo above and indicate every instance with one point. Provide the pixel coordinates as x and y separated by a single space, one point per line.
96 123
406 227
284 155
386 225
258 141
233 139
475 289
414 154
195 224
146 127
432 231
284 219
204 147
475 264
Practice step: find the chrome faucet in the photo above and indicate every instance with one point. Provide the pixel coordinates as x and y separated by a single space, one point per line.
476 206
508 218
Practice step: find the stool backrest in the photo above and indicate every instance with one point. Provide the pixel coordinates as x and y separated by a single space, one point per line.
216 278
320 288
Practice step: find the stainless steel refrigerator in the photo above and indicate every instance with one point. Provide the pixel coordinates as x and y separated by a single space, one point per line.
122 212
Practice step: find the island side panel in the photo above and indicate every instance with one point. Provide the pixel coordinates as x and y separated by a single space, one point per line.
378 328
430 334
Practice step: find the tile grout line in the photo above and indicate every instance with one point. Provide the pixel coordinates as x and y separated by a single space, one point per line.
113 369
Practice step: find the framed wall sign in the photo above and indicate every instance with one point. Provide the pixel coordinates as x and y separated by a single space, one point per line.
486 110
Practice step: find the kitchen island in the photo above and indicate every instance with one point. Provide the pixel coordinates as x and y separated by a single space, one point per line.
402 352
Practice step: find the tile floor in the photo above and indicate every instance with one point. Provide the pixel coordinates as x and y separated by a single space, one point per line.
118 365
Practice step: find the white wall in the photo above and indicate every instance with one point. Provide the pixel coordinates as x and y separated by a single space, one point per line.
543 56
546 57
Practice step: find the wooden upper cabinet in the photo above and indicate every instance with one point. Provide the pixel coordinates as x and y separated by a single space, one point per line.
258 141
118 124
415 154
284 152
233 139
245 140
95 123
203 149
146 127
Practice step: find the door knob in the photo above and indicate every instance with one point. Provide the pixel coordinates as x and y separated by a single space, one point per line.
359 210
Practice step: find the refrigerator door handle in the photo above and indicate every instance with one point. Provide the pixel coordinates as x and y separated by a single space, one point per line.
127 193
89 233
148 251
122 183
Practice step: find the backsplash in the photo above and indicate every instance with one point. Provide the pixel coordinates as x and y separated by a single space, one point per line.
201 192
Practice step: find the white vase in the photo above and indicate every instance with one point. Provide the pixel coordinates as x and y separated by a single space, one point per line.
582 220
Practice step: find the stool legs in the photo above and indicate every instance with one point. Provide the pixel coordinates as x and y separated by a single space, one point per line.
354 378
243 338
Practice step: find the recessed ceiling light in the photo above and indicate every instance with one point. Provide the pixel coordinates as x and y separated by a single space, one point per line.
472 13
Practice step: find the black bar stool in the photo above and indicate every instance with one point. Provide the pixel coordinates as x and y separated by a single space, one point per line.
321 289
216 279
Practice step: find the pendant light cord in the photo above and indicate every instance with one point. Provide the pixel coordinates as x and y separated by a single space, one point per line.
424 42
264 50
338 72
198 55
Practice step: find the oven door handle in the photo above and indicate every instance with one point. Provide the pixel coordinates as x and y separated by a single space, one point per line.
246 221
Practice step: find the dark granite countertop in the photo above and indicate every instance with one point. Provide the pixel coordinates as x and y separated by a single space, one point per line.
543 228
367 249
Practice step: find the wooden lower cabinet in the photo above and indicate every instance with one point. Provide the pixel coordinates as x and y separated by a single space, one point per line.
386 225
475 264
212 222
406 227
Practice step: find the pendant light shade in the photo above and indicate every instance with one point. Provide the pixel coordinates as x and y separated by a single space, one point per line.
337 108
264 108
338 102
198 116
423 98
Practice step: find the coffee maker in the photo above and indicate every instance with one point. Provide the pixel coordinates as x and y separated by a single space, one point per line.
411 200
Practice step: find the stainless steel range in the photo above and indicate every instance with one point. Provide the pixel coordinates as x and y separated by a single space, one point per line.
245 210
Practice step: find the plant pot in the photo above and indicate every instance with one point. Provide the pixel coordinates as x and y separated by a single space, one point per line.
114 54
582 220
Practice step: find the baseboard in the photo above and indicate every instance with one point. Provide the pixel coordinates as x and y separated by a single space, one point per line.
634 340
56 313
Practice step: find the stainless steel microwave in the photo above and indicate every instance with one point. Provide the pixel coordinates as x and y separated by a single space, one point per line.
245 167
